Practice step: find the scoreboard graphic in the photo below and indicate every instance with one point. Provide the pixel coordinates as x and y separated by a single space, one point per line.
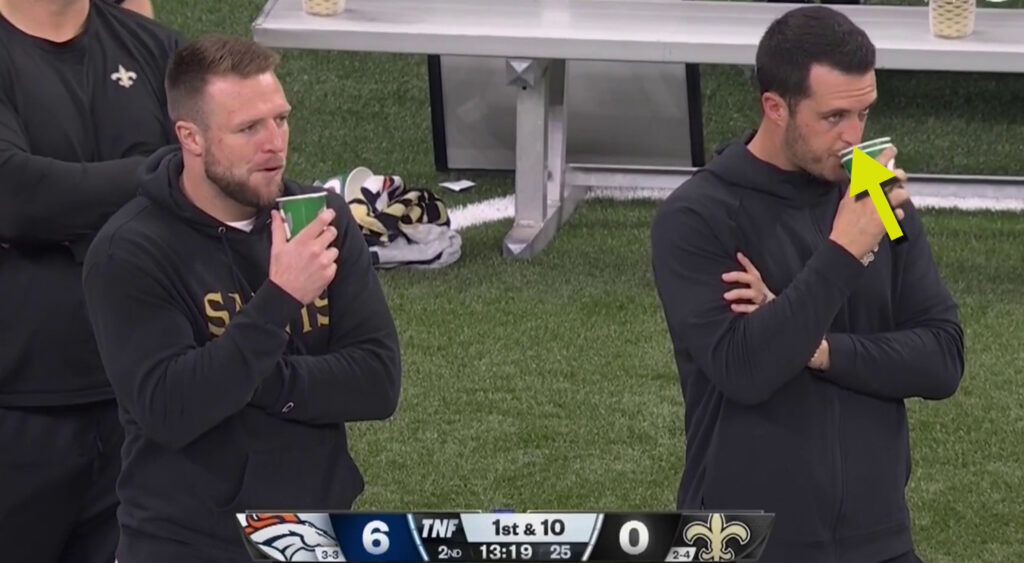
506 536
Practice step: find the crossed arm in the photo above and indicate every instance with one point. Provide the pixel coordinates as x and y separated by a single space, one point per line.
921 357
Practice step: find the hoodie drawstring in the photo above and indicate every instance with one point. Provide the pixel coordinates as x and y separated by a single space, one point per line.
240 285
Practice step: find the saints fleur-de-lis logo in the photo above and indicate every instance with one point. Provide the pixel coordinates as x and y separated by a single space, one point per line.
717 533
124 77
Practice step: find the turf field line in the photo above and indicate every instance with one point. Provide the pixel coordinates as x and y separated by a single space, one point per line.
486 211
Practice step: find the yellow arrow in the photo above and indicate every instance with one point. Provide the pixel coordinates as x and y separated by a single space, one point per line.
869 176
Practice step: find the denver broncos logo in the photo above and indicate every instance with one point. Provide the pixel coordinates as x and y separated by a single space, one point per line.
289 536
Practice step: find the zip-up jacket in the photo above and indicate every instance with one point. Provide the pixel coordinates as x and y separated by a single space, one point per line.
826 451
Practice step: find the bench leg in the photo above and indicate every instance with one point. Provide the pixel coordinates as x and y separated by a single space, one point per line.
562 197
541 200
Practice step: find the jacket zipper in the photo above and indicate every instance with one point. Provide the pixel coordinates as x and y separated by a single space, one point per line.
839 475
838 450
817 227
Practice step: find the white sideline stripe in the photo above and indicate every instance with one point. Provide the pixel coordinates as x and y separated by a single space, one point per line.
501 208
970 203
481 212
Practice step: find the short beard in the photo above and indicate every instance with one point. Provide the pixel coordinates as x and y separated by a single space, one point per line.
237 189
795 145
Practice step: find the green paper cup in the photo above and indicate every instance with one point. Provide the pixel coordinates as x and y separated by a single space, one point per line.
874 142
301 210
871 148
867 145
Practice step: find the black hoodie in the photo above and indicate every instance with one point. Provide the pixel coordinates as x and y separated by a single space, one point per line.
77 120
827 452
222 418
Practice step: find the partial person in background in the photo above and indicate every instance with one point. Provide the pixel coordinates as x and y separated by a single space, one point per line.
799 328
81 106
237 355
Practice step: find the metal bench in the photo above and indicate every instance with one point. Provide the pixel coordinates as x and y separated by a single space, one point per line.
537 37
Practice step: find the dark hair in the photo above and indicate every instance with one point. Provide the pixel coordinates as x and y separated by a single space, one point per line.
803 37
212 55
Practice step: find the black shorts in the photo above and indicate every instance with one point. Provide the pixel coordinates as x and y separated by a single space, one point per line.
58 472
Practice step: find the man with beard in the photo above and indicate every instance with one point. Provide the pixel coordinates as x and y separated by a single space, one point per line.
82 105
795 372
237 354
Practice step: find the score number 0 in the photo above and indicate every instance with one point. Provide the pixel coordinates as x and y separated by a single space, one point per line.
643 537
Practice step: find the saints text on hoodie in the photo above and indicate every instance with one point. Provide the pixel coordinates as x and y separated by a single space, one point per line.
234 396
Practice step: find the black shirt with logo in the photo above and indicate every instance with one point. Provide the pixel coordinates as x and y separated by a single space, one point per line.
77 119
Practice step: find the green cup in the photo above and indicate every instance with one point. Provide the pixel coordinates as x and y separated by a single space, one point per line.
301 210
879 141
872 148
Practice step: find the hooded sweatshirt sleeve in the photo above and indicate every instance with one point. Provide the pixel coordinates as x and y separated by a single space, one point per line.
360 378
924 356
746 356
174 388
48 200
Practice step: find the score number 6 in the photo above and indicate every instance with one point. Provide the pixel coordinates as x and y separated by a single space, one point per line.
375 538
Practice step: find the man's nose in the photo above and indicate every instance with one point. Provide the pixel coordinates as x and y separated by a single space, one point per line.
275 139
852 131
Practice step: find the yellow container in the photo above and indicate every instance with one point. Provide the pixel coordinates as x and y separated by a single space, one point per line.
323 7
951 19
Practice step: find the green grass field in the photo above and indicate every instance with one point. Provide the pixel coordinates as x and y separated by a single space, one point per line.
550 383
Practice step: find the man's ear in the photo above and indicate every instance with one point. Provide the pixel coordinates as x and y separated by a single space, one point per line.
775 108
191 137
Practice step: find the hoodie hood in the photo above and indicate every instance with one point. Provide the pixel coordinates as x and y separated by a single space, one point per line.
161 184
735 164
